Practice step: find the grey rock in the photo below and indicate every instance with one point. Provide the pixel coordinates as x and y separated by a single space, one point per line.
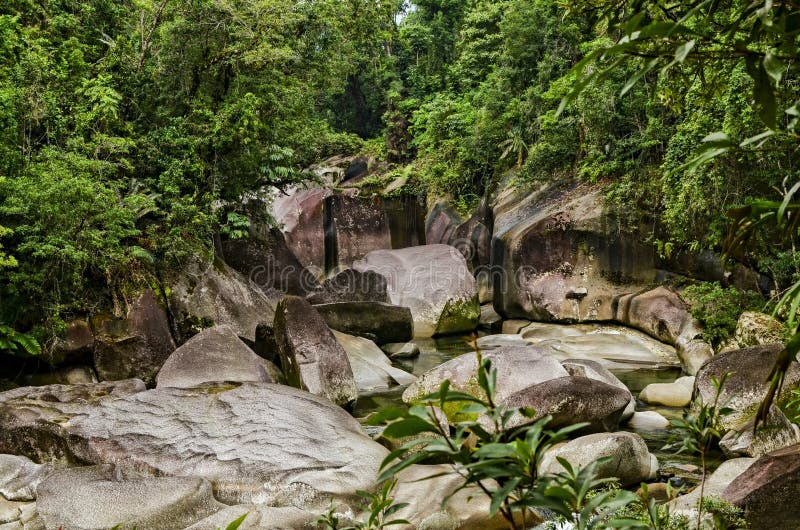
401 350
595 370
489 318
514 325
269 264
75 346
518 367
311 358
746 386
776 433
135 346
661 313
613 346
351 285
755 329
649 420
68 375
376 321
466 509
255 442
11 511
259 518
675 394
19 477
433 281
715 485
571 400
212 293
630 461
93 498
214 354
563 255
371 368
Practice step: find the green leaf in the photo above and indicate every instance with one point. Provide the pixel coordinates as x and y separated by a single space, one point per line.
235 524
408 426
774 67
683 51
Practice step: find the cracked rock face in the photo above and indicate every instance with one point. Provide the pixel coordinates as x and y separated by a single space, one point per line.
254 442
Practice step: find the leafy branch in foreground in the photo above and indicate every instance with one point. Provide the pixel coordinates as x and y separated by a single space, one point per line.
502 463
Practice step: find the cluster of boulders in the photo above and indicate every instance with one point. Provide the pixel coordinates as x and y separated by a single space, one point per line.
230 389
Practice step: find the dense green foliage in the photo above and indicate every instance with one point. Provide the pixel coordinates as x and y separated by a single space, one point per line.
131 131
718 309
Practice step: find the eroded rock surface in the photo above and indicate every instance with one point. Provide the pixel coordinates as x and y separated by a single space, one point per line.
518 367
92 498
134 346
747 383
255 442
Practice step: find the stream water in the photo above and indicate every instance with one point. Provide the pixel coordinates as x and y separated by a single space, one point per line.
433 352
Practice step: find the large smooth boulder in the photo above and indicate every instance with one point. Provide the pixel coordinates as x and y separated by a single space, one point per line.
269 264
135 346
464 509
662 314
433 281
630 461
558 255
595 370
301 218
351 285
311 358
255 442
377 321
518 367
571 400
214 354
19 477
327 229
93 498
212 293
768 490
747 384
372 369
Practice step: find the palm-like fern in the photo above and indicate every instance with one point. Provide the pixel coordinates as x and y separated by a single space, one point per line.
18 344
